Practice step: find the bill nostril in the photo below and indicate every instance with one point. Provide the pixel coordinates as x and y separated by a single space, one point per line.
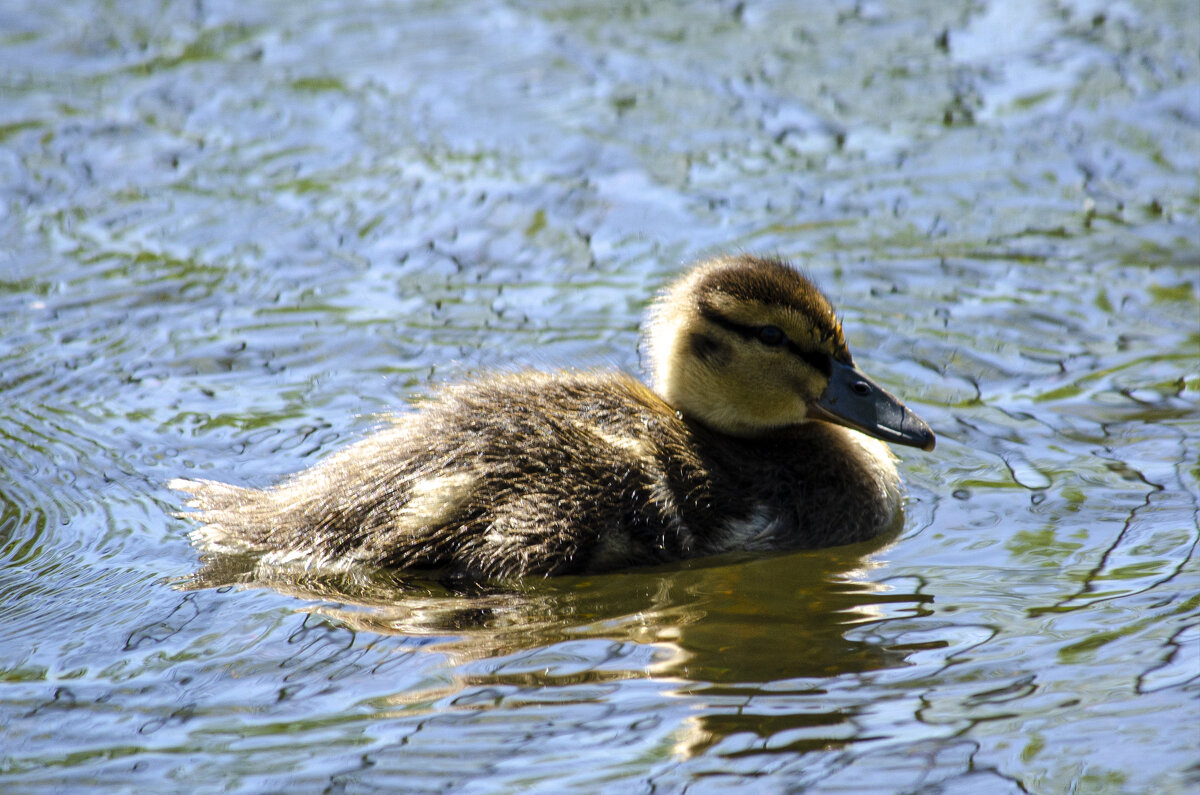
861 388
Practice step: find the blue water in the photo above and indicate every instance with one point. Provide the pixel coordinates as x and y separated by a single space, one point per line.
233 234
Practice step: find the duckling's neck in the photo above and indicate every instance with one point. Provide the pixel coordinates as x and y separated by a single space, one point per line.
730 428
699 396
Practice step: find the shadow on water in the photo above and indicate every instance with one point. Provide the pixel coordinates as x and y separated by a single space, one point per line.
727 626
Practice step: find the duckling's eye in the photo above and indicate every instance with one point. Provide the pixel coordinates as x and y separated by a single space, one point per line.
771 335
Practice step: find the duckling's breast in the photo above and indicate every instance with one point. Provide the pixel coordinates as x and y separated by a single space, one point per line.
819 485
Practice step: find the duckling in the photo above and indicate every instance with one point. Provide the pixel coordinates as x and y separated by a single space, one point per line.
760 434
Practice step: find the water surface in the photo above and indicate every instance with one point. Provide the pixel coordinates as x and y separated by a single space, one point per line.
234 234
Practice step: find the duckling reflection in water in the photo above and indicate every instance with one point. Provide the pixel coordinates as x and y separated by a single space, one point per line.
760 434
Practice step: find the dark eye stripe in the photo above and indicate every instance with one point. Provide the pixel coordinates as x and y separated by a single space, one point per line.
814 359
817 361
749 332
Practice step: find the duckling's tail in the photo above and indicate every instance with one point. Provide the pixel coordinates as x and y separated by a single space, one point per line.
228 515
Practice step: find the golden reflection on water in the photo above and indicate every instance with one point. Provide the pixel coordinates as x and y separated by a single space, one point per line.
722 626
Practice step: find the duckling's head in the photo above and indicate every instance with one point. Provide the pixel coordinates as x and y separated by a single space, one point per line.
747 345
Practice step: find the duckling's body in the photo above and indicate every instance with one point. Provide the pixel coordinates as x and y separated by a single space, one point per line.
560 473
